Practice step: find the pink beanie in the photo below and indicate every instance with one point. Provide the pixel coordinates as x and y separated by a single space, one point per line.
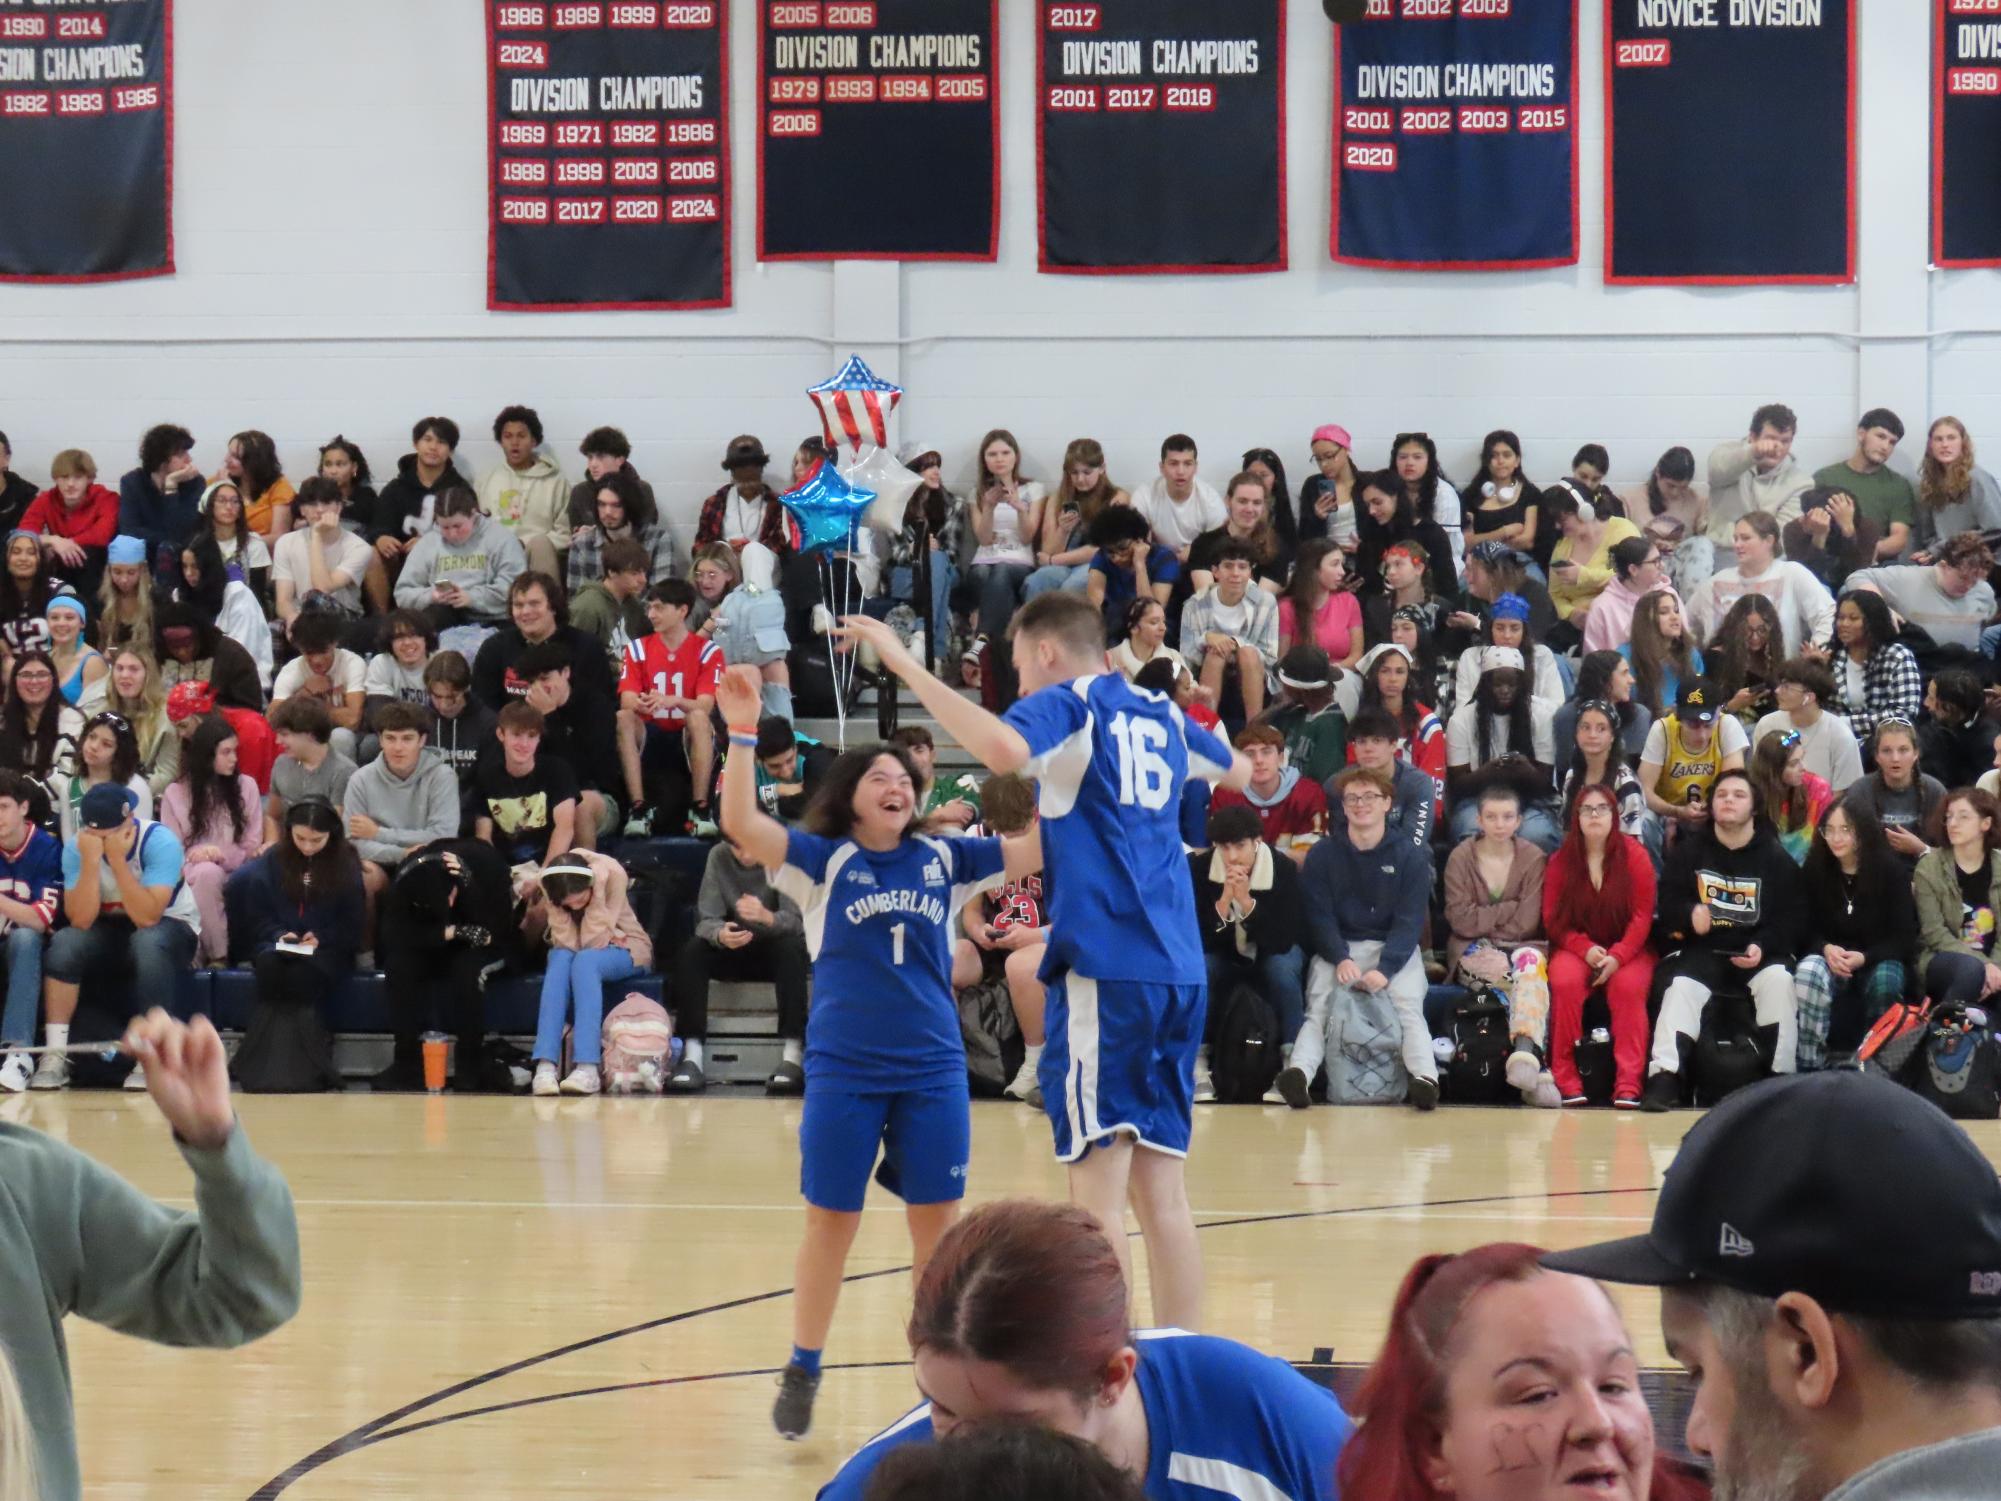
1333 432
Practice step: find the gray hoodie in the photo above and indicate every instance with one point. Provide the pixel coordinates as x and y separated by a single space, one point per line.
411 810
484 565
724 879
1960 1469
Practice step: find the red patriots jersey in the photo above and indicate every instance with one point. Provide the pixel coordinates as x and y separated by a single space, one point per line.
692 671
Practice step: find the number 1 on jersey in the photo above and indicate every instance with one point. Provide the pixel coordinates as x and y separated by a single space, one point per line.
896 944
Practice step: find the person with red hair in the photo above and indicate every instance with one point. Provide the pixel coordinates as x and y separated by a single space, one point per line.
1598 912
1501 1381
1021 1315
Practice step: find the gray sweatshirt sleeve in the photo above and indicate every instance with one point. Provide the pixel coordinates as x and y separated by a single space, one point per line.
712 902
413 584
505 562
437 807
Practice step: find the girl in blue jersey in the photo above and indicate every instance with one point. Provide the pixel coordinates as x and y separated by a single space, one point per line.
885 1062
1021 1314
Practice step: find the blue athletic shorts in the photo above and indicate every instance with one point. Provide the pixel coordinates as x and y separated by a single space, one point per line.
1120 1060
924 1138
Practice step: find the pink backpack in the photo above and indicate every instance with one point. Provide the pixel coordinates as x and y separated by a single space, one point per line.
637 1040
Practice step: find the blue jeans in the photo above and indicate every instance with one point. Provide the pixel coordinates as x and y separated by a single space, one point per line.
1000 591
24 986
1055 576
1280 978
575 980
158 956
903 586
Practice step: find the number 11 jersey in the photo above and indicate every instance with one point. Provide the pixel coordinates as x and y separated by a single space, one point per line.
1109 762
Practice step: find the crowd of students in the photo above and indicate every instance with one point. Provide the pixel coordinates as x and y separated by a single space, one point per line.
1578 748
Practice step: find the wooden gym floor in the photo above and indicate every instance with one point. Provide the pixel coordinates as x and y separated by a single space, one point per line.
513 1298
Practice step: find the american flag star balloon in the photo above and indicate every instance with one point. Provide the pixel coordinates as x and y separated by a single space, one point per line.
855 406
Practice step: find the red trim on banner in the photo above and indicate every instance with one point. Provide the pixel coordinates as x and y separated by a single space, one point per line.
1939 74
166 267
1544 264
726 186
991 253
1158 268
1837 279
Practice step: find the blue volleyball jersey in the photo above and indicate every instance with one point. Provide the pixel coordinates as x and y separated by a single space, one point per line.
1222 1420
1110 761
879 929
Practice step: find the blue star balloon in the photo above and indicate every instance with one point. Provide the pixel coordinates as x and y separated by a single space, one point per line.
828 509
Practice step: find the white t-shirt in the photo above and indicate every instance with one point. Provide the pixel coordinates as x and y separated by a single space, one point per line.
1831 751
1462 737
1011 544
348 554
255 554
349 674
1176 525
743 519
1729 730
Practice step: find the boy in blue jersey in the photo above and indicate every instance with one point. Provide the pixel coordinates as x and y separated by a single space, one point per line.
1022 1315
1124 969
885 1061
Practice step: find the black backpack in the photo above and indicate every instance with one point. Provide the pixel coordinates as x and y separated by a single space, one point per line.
1597 1068
994 1046
1477 1074
1958 1065
1728 1052
1245 1059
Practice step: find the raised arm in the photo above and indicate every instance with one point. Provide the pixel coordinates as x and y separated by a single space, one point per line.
993 742
756 833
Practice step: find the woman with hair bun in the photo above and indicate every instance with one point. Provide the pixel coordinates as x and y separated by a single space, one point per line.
1500 1380
1021 1313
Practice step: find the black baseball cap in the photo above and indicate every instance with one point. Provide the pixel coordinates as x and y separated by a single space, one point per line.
1840 1185
1696 701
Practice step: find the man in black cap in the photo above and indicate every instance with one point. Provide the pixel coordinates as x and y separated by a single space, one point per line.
1315 729
746 509
1829 1253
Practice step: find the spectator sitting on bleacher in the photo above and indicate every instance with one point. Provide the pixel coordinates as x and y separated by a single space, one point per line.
748 621
396 674
745 929
1372 741
1315 729
580 730
595 940
309 767
1248 903
666 718
206 588
327 671
790 767
31 881
403 800
75 520
623 510
951 801
321 558
612 610
1291 808
107 751
127 902
190 648
462 726
1229 633
304 892
124 602
459 570
447 922
212 809
524 800
136 695
1006 931
538 613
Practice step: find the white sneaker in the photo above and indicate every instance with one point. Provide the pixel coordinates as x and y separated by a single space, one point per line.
15 1072
545 1079
1545 1095
583 1080
52 1072
1205 1088
136 1080
650 1080
1022 1085
1272 1096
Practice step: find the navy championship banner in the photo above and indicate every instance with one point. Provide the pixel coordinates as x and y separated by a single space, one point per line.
608 130
1455 135
1160 135
1966 133
878 130
1729 141
86 141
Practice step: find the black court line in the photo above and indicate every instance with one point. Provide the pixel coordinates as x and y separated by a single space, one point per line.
391 1425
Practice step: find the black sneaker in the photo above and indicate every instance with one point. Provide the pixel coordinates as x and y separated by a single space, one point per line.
1424 1093
687 1079
1292 1083
1663 1092
792 1413
787 1078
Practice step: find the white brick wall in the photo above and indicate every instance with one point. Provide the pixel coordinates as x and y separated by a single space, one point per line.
331 238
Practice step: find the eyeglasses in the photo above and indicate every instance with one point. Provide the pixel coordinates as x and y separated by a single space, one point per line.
1595 810
1361 799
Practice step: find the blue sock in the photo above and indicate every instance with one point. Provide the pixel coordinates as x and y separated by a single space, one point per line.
807 1360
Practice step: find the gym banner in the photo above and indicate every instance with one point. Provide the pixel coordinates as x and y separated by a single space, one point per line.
1455 135
878 130
86 141
1966 133
608 133
1729 141
1160 135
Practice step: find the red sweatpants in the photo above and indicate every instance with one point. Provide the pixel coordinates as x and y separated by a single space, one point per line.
1626 997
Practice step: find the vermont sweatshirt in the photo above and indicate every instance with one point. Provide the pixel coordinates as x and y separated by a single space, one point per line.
76 1238
411 810
484 565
